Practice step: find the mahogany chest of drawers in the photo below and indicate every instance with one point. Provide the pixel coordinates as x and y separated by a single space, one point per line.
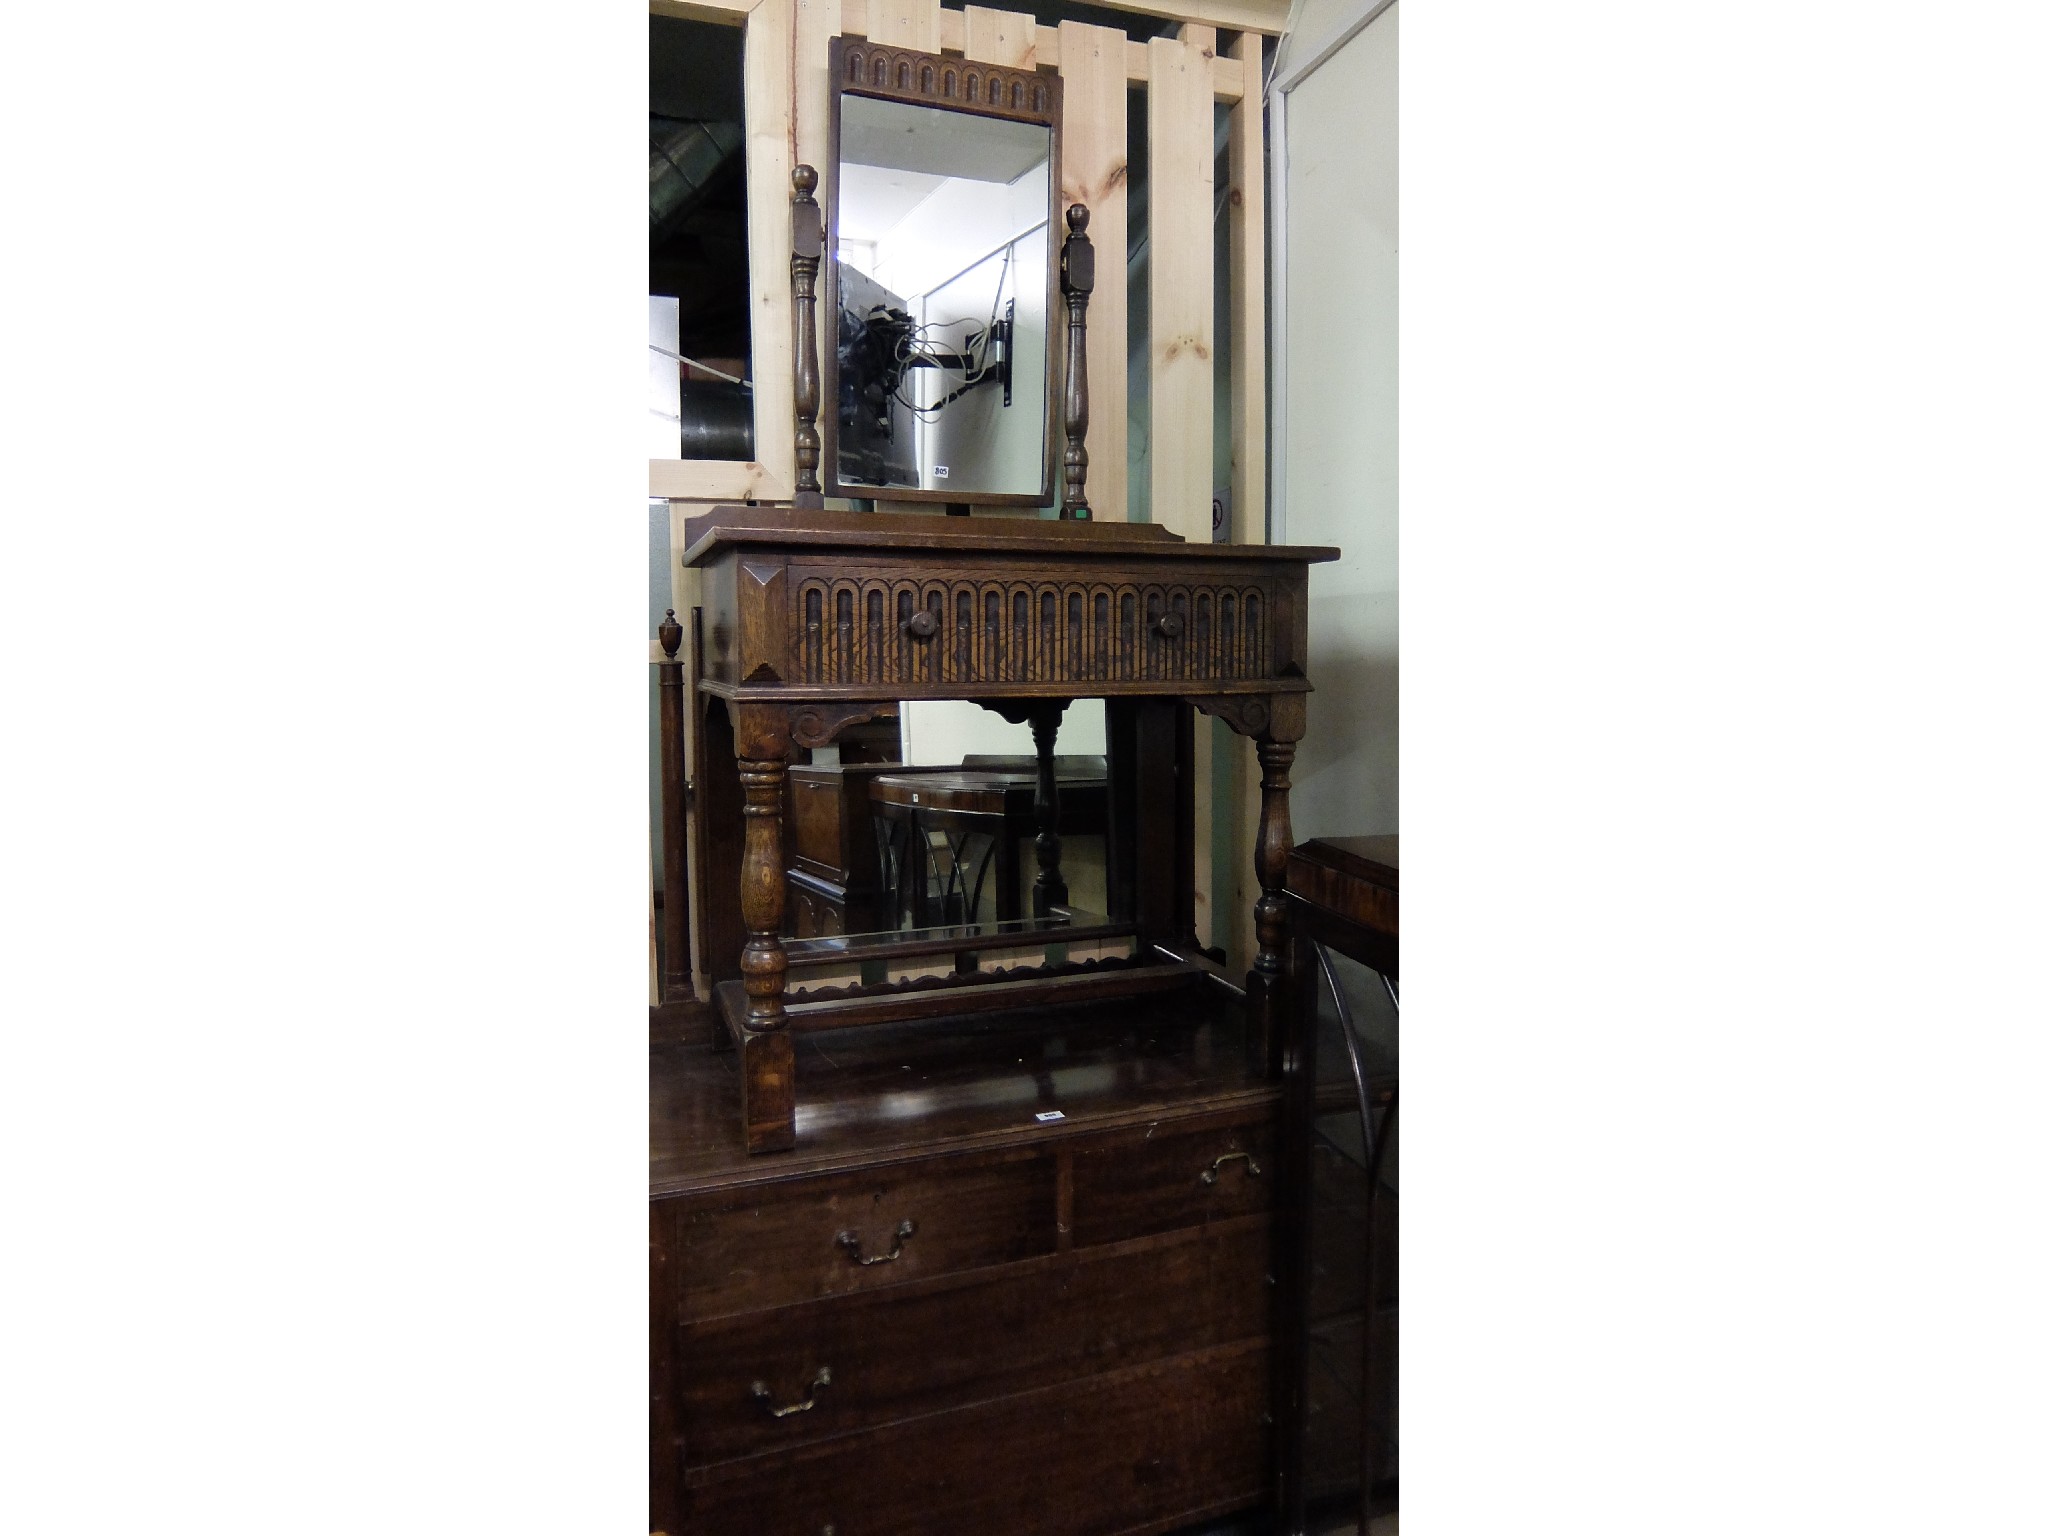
1015 1279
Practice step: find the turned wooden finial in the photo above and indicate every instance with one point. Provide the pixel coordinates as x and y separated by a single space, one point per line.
807 241
1077 281
671 634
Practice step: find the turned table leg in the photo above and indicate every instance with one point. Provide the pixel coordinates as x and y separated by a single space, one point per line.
1269 913
767 1057
675 815
1049 890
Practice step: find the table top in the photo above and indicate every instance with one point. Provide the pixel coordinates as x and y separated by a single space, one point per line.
1375 860
968 787
1355 883
899 532
898 1092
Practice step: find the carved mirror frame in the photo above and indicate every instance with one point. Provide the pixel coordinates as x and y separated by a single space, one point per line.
862 68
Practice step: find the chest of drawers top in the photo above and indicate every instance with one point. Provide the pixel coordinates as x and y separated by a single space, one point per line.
825 604
894 1097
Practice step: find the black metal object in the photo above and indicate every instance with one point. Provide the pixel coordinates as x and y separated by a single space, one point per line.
931 879
1375 1147
717 420
1340 900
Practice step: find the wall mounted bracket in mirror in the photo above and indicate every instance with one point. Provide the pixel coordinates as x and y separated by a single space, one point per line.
937 282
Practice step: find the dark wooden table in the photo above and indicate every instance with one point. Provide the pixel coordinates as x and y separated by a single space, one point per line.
814 620
1001 806
1343 895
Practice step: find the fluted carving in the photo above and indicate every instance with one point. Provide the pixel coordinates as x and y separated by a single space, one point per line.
987 625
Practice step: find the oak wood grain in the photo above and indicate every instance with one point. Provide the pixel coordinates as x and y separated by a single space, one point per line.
944 1343
740 1253
1135 1450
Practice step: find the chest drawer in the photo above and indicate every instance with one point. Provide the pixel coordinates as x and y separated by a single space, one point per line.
938 1345
1145 1184
774 1245
1138 1450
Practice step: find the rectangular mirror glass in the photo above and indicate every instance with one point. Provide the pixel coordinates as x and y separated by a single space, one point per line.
933 330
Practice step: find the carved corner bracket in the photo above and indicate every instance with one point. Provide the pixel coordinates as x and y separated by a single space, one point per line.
1026 711
818 725
1261 716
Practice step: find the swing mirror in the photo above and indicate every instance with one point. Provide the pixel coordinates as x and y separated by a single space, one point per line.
941 276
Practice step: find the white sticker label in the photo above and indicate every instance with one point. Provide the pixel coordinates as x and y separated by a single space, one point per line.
1052 1114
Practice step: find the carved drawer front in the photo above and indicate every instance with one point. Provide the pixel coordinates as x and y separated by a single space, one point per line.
769 1246
1133 1186
876 625
1099 1456
751 1383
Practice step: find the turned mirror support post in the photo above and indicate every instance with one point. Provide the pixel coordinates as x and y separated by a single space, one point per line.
807 240
1049 890
1077 281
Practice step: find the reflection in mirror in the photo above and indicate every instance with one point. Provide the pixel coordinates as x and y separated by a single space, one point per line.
943 254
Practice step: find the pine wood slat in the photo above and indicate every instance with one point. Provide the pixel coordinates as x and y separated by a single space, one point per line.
771 28
1001 37
1227 75
1180 118
1094 167
1246 213
723 13
720 479
905 23
817 23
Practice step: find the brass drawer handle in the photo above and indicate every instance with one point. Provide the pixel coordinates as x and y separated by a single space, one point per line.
761 1395
1251 1166
850 1241
921 625
1169 625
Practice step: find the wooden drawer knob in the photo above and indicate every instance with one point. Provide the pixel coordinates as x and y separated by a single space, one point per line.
1169 625
921 625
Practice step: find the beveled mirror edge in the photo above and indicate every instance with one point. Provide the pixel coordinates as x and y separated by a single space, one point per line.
1042 106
